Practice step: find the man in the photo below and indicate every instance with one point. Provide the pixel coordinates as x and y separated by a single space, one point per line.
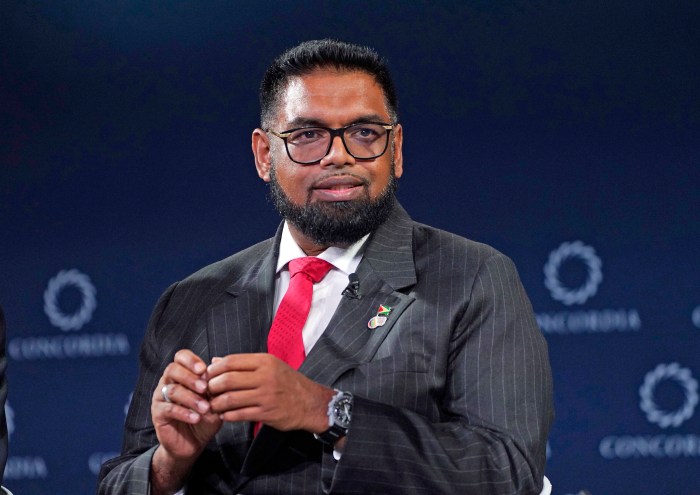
420 365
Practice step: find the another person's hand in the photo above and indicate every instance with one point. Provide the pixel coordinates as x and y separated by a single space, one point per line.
263 388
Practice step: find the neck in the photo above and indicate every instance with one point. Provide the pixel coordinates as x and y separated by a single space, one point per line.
306 244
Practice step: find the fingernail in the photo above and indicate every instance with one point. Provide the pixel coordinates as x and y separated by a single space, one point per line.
194 416
202 406
199 368
201 385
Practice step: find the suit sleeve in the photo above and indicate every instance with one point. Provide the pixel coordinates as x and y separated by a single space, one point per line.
129 473
496 409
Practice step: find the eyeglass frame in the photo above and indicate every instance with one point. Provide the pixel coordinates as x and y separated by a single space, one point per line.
338 131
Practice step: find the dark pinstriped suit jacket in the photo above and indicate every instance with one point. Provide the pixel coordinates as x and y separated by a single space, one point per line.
452 395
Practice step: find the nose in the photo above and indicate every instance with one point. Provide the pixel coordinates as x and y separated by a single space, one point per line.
338 155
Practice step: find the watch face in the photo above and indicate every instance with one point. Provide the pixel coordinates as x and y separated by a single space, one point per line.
343 411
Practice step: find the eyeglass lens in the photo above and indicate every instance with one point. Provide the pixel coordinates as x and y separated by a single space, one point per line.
362 141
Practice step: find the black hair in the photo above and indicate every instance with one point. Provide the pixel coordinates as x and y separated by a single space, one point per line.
318 54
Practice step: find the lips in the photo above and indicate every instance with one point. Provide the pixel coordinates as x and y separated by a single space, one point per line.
339 182
339 188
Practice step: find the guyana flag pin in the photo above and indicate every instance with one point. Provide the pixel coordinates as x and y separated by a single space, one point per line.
380 319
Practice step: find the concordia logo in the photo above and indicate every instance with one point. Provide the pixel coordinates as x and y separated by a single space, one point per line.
659 446
583 320
22 467
593 264
76 345
66 278
685 379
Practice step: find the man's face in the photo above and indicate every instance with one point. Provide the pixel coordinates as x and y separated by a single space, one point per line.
339 199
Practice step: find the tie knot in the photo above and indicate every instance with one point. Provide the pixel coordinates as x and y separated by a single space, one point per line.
314 268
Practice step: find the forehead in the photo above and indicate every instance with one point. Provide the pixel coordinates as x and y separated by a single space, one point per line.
334 98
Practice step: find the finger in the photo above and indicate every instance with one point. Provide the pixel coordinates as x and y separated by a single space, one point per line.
191 361
231 401
254 413
237 362
233 380
177 394
165 412
176 373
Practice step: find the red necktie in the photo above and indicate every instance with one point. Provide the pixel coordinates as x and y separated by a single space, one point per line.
285 340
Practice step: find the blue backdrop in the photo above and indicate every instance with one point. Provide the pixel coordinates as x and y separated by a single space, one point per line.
563 133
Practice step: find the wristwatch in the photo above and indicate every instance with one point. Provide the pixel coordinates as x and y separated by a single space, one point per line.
339 414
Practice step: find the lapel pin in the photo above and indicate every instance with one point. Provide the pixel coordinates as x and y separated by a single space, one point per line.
380 319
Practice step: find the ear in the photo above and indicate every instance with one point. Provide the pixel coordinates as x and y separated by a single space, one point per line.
398 150
261 152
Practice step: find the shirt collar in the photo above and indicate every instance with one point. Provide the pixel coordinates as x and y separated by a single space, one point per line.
343 259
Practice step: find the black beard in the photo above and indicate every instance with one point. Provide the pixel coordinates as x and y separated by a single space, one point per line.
335 223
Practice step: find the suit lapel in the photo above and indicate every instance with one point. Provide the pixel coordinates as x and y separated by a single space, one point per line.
386 271
239 324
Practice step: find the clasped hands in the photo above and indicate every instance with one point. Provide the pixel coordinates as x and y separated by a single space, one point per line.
237 387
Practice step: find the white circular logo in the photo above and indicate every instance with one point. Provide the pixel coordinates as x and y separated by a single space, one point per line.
579 295
80 281
682 376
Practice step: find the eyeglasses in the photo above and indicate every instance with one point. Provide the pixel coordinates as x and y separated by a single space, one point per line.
364 141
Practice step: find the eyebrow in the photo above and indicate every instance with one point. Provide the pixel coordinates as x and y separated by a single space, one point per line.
311 122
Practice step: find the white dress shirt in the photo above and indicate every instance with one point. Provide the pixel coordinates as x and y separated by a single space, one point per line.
328 292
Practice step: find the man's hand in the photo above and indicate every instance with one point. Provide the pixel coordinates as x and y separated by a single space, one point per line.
184 425
261 387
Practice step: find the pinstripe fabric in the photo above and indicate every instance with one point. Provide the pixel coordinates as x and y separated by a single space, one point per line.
453 393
